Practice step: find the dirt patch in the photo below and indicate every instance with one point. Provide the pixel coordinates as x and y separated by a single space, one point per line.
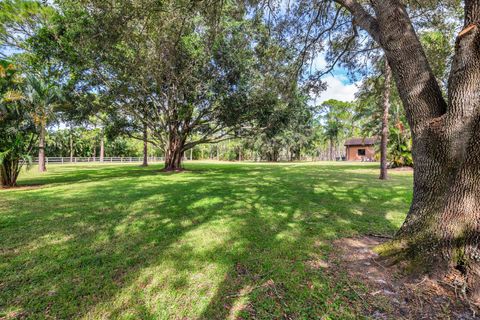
182 170
388 293
402 169
25 187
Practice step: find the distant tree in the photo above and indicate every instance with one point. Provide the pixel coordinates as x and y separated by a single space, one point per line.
190 74
400 147
387 88
21 21
86 142
43 97
121 147
370 114
286 128
17 128
337 120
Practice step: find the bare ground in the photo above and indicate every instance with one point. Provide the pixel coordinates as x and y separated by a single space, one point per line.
409 169
388 293
22 187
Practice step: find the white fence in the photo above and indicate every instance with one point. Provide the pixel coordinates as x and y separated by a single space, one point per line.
61 160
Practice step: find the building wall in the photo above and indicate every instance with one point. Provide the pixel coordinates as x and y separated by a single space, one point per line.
352 153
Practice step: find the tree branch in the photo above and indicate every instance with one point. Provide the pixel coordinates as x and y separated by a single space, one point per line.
418 88
464 79
362 18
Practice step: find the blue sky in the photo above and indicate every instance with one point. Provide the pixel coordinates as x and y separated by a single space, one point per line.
339 86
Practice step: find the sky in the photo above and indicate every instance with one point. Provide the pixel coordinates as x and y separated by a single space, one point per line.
339 86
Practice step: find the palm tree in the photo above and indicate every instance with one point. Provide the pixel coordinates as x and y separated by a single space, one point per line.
337 122
44 97
17 132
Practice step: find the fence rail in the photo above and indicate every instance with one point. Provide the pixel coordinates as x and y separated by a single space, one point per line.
63 160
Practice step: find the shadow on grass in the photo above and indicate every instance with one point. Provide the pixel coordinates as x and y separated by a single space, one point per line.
122 241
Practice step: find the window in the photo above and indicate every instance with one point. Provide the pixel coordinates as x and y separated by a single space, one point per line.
361 152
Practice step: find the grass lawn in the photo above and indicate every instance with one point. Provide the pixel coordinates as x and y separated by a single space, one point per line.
218 241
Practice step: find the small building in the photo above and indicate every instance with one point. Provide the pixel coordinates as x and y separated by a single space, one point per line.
360 149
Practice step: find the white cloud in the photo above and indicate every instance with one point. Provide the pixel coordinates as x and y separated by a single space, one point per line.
336 89
338 86
319 62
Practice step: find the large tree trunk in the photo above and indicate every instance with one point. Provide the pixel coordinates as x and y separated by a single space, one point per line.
442 229
386 110
41 148
145 146
174 153
9 170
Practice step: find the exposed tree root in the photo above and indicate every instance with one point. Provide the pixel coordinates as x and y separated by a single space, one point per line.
393 290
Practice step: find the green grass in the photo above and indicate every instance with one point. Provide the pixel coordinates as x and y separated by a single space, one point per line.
218 241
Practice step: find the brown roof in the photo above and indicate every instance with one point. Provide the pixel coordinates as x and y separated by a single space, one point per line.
360 142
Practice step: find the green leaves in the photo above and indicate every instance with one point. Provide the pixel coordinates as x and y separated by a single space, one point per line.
17 130
337 119
399 147
19 20
193 46
439 48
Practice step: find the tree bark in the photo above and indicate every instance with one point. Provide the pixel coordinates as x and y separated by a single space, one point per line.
9 171
330 157
386 110
71 148
145 146
102 147
41 148
442 227
174 153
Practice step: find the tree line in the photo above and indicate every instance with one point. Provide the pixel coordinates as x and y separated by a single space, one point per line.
318 133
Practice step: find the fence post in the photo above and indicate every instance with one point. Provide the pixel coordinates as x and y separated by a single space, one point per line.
62 160
46 159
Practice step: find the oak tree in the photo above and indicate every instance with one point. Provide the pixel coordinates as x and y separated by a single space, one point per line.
442 227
